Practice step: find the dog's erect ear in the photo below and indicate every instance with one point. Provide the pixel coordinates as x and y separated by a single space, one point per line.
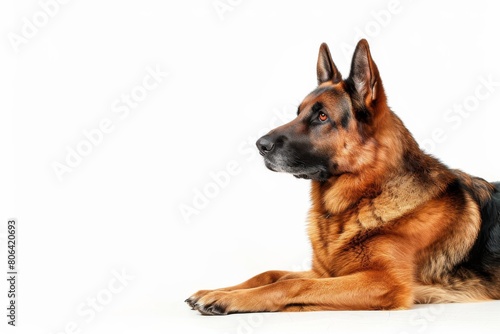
326 69
364 74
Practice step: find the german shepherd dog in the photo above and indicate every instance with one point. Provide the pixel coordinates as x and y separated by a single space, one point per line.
389 225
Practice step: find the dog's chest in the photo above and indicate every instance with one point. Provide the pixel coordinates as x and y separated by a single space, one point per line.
343 243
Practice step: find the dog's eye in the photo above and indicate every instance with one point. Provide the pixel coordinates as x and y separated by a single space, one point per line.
322 116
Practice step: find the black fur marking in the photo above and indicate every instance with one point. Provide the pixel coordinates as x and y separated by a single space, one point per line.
344 121
333 123
317 107
301 156
456 191
484 256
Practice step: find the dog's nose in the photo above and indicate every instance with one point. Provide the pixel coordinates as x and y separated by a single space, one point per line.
265 145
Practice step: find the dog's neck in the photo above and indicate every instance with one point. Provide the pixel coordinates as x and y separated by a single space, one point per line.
407 169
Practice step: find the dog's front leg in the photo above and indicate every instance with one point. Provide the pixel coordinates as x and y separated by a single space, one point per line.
367 290
262 279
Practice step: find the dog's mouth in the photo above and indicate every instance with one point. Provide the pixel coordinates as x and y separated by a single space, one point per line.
309 176
300 172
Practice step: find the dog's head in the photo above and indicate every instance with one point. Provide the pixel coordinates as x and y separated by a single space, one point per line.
335 126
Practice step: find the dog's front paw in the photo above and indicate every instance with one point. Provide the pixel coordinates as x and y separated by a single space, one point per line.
220 302
191 301
211 302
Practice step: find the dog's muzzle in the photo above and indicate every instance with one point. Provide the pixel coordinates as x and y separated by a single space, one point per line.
281 154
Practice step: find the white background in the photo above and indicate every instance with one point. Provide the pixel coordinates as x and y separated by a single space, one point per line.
229 75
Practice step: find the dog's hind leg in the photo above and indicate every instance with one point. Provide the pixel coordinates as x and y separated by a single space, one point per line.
458 293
